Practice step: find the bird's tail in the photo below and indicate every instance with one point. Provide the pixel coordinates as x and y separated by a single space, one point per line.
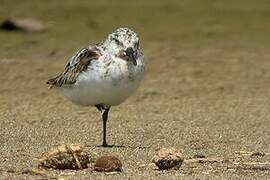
52 82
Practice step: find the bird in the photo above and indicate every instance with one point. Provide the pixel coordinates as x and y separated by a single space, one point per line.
104 74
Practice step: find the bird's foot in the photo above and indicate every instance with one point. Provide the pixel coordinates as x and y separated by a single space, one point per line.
104 144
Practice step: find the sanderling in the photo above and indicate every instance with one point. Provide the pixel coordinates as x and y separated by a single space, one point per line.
105 74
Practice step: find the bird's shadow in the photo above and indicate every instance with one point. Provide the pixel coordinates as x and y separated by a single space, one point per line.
118 146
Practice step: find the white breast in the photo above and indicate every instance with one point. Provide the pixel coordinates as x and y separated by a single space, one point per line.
107 81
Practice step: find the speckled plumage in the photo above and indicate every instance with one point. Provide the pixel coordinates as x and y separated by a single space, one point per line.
103 75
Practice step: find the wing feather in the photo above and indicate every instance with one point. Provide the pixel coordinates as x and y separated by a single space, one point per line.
77 64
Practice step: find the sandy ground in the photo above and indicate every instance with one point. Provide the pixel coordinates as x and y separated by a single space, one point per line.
205 94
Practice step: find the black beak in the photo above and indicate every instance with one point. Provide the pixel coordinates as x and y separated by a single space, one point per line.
131 55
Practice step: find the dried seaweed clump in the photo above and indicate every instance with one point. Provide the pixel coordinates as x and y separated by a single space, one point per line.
67 156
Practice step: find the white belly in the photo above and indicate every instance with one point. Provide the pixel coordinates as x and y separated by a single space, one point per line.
108 86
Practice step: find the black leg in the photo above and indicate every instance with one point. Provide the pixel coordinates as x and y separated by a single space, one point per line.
105 119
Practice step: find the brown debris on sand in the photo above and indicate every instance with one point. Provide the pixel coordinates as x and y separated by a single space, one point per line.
168 158
251 154
108 164
205 160
26 25
261 166
67 156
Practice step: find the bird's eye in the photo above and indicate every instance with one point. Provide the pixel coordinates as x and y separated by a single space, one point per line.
116 40
137 44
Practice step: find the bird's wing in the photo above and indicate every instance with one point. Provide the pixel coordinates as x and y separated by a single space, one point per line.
77 64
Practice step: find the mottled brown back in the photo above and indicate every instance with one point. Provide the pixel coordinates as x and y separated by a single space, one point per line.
78 63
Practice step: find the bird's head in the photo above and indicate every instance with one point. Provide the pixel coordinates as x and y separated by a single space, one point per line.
124 43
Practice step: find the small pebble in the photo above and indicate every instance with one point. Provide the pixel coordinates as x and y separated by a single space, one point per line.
108 164
168 158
